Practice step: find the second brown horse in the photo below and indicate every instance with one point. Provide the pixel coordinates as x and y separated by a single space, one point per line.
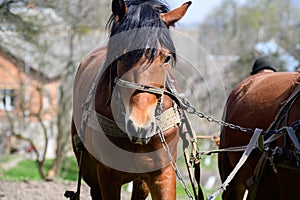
255 103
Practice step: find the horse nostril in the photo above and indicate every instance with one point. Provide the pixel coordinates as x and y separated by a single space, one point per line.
145 141
140 134
134 140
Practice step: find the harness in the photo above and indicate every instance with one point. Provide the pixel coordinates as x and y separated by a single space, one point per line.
277 156
97 121
165 120
187 133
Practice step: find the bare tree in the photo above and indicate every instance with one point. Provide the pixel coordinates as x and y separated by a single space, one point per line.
78 19
81 17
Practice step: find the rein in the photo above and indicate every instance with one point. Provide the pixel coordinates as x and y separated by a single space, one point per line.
188 135
192 160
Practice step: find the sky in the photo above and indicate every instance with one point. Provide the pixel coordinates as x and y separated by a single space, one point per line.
197 11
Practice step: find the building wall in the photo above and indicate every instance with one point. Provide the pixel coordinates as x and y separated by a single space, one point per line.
27 93
28 104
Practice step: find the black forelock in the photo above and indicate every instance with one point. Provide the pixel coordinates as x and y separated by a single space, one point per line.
140 30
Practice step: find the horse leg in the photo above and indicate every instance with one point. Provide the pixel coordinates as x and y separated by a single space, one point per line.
89 168
162 184
140 190
224 166
109 184
237 187
224 170
235 190
96 193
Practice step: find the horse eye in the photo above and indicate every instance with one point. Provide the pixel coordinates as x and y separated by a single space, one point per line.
167 59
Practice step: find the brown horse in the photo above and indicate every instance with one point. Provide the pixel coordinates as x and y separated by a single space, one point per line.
255 103
119 107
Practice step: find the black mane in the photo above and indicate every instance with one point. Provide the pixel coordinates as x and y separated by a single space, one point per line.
140 32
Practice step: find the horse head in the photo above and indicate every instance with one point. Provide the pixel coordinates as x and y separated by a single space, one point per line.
140 51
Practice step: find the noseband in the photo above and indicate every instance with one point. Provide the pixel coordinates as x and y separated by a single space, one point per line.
151 89
143 88
148 88
139 87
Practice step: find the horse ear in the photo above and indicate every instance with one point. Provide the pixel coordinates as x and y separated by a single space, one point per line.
173 16
119 9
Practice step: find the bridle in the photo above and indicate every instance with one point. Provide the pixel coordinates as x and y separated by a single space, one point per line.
146 88
169 90
139 87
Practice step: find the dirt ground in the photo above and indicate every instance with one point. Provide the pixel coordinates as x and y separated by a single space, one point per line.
38 190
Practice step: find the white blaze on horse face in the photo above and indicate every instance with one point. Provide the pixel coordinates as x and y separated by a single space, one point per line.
140 106
140 117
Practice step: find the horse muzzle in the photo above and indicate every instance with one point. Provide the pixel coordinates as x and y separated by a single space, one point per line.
141 141
140 134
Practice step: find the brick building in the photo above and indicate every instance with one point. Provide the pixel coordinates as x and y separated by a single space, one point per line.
24 90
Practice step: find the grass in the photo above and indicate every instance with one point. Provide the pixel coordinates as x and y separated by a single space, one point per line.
27 170
69 170
24 170
8 158
181 194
